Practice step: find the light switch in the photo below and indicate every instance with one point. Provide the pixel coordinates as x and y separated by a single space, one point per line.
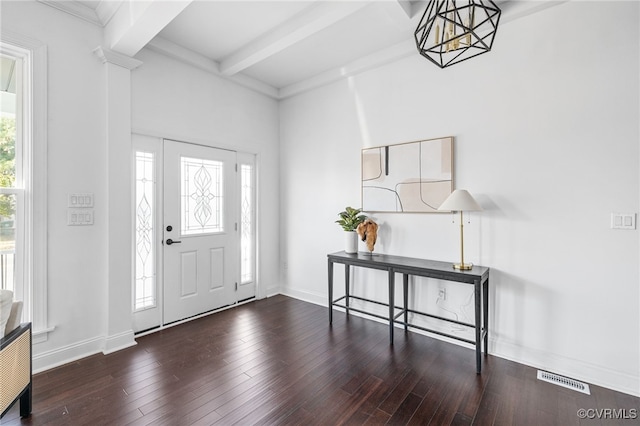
79 217
623 221
80 200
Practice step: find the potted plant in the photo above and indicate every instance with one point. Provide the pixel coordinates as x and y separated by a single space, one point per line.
349 220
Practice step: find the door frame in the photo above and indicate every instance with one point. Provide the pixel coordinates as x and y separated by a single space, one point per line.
155 145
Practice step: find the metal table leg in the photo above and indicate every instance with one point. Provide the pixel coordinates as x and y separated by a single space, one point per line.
478 326
347 275
405 294
330 281
391 303
485 295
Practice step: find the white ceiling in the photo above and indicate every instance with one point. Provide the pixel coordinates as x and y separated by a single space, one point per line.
277 47
218 30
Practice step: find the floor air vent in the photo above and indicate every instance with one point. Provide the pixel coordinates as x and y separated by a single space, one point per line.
564 382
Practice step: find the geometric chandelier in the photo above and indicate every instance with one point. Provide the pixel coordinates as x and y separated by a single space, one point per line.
452 31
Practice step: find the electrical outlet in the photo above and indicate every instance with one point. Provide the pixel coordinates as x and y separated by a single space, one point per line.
285 266
623 221
442 294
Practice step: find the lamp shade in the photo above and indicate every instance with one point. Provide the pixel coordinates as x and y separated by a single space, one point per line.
460 201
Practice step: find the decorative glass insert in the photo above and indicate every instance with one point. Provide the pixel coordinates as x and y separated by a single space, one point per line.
246 223
201 196
145 277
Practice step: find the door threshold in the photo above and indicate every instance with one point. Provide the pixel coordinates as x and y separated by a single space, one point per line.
195 317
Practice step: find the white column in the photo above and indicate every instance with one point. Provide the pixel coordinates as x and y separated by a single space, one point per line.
119 331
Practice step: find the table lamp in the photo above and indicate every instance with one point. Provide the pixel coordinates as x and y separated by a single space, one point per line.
460 201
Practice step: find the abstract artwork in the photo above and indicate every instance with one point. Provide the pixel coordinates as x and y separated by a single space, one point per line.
413 177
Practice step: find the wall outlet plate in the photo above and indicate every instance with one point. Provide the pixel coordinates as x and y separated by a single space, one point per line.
80 200
442 293
79 217
623 221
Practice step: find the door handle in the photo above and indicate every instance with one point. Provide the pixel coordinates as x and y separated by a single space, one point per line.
170 241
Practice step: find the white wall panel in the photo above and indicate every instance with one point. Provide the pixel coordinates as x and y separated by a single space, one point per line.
546 131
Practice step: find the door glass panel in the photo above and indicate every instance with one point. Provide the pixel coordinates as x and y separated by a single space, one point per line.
145 286
201 196
246 223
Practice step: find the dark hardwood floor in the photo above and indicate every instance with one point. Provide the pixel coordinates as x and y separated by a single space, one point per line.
277 361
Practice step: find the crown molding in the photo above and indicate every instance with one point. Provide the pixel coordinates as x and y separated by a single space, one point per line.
116 58
101 16
76 9
369 62
172 50
514 11
106 10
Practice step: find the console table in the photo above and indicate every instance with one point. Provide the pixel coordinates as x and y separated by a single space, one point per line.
478 277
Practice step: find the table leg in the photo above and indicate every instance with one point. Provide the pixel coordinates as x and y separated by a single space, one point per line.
485 295
478 325
391 303
347 274
330 281
405 295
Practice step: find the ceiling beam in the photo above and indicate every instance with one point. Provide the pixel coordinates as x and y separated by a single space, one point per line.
185 56
137 22
310 21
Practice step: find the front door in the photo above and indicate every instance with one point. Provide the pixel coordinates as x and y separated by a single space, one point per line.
200 241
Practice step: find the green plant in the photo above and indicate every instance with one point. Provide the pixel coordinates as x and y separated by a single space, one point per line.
350 218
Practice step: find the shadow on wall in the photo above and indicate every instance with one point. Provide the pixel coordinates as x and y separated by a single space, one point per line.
509 297
497 210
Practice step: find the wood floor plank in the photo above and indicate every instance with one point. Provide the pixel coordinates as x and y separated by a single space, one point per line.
277 361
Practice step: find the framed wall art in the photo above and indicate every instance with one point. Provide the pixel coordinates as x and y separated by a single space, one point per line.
412 177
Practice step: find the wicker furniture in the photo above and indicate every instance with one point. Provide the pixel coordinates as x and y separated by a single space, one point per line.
15 364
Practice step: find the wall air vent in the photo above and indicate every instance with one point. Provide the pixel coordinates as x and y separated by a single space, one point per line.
564 382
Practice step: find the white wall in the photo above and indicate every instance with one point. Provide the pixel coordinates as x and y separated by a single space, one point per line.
180 102
168 100
546 133
546 129
76 151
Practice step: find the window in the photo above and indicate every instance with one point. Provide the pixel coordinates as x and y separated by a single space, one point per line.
12 183
201 196
145 252
247 236
23 171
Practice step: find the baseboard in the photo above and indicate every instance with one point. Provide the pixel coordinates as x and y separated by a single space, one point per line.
574 368
272 291
118 342
306 296
54 358
594 374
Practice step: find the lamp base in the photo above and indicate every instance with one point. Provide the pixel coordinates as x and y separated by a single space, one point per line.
463 266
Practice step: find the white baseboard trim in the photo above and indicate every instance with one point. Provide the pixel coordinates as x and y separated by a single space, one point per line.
593 374
54 358
574 368
272 291
118 342
306 296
